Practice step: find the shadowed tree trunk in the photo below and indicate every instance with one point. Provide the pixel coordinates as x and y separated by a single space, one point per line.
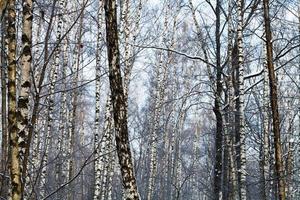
119 102
4 142
217 110
274 104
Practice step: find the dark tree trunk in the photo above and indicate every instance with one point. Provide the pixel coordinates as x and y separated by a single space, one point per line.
217 111
4 144
274 104
119 102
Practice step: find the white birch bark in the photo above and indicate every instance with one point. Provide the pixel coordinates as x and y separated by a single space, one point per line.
266 149
125 19
242 133
14 168
106 147
97 146
23 101
111 162
229 137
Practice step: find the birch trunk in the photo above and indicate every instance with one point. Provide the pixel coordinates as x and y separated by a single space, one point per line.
119 102
26 62
97 146
230 139
106 147
242 134
35 109
14 166
266 148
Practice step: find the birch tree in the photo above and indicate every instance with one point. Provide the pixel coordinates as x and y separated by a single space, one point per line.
97 143
118 102
26 61
242 134
14 165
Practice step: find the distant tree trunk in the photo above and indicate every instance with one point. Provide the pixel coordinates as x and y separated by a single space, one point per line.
194 159
274 104
265 115
26 62
50 102
60 166
15 169
73 113
290 155
119 102
241 108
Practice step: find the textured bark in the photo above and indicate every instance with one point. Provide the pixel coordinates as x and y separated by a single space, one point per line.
230 139
3 6
26 62
101 162
266 159
217 110
241 108
4 139
15 169
112 157
97 146
35 109
119 102
274 104
127 62
27 186
108 133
